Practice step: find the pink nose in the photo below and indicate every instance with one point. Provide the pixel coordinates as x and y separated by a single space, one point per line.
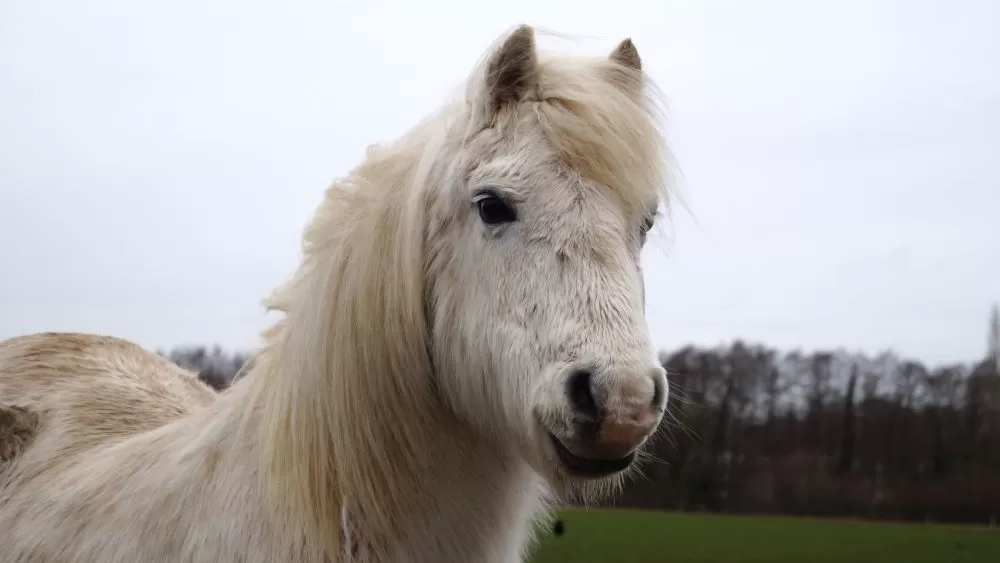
620 434
616 419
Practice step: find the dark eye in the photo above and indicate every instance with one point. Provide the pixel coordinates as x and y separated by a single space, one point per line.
647 225
493 210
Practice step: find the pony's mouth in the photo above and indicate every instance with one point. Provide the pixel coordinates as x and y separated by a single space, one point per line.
589 468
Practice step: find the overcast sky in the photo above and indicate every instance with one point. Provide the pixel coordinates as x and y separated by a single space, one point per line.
839 160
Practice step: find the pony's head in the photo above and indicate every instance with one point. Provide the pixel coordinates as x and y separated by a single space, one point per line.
480 277
537 216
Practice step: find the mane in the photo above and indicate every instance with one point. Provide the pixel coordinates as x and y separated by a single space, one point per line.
608 134
350 360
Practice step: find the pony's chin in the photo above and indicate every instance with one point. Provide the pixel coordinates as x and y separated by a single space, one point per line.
563 488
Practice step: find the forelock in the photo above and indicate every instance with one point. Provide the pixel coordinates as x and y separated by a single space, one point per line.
605 127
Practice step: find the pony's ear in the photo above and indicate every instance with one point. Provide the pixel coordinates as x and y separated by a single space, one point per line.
511 73
627 55
626 73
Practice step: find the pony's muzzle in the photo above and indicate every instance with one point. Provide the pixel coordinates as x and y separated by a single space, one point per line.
612 415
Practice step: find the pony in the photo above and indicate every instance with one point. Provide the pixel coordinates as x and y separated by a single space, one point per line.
463 342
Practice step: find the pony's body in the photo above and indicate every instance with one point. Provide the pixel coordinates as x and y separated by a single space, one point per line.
137 460
466 328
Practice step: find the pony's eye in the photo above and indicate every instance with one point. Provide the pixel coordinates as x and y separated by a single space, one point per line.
647 225
493 210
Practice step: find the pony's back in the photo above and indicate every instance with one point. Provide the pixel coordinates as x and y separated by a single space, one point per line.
68 393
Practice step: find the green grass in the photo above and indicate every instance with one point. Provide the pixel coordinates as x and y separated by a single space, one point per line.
611 536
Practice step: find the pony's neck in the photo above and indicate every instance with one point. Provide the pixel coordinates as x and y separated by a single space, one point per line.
342 393
458 497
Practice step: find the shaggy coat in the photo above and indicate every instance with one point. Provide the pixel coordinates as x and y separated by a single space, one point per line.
406 406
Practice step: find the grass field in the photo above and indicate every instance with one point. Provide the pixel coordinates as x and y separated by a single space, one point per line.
609 536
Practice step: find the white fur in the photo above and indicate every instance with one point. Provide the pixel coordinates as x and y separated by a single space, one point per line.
399 401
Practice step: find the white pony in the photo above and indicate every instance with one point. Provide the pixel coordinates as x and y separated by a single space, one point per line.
466 329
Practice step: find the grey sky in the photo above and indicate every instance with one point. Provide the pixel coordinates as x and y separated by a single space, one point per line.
839 159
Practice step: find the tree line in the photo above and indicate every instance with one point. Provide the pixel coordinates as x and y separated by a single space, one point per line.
751 429
826 433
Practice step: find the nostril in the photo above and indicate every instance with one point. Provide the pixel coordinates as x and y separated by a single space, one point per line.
658 392
581 395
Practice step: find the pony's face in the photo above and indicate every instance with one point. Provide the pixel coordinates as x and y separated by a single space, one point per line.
537 300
